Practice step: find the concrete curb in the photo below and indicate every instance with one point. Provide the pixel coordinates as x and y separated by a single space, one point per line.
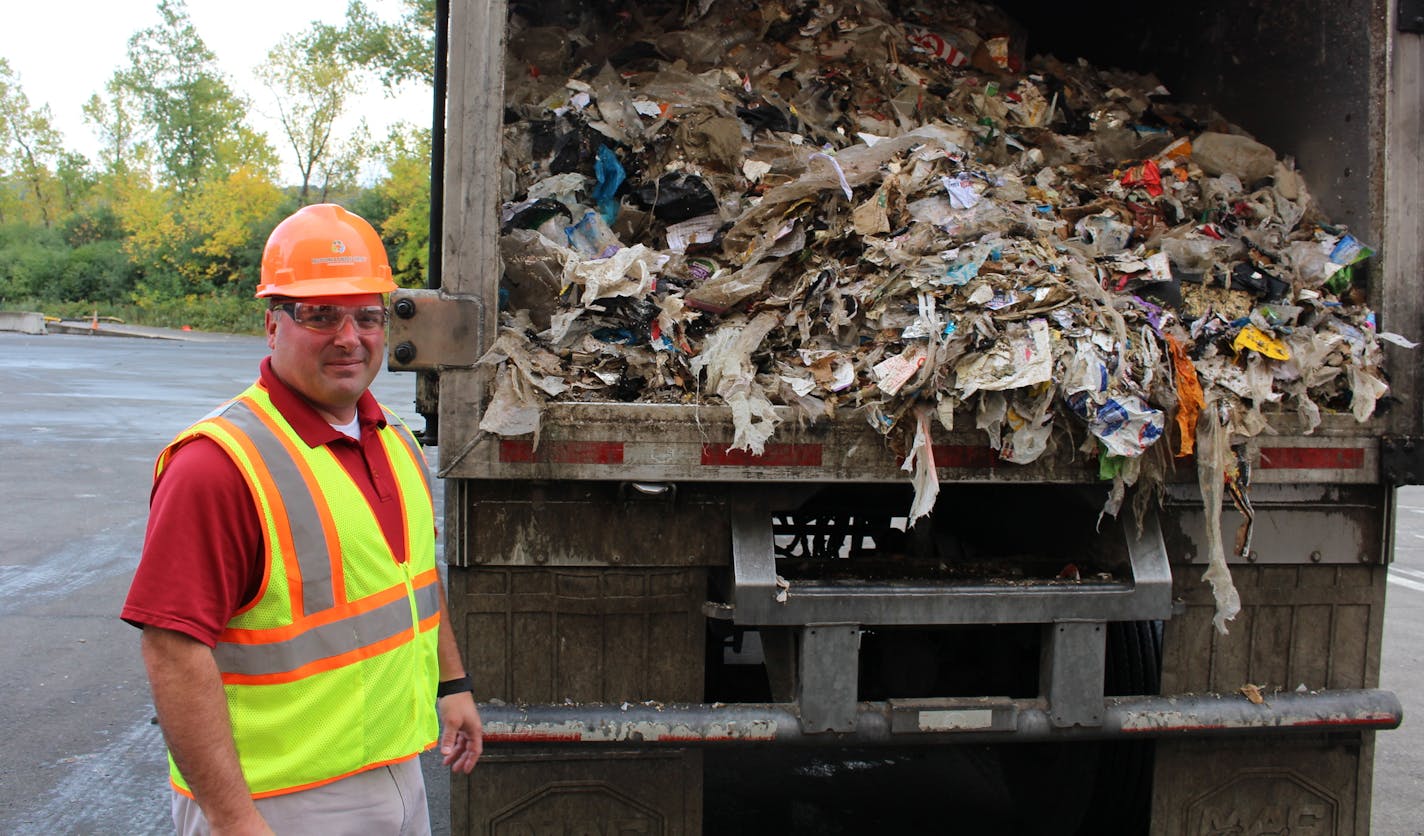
108 329
26 322
82 327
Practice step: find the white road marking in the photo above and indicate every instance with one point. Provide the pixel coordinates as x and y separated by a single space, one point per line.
1407 571
1401 580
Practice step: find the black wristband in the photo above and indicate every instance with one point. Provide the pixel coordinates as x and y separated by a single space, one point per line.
454 686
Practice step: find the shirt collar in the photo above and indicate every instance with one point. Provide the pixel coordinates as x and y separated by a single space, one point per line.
310 426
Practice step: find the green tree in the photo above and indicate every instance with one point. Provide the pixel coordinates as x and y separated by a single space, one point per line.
400 204
117 122
30 151
195 118
190 185
311 84
399 52
76 180
339 174
203 244
231 216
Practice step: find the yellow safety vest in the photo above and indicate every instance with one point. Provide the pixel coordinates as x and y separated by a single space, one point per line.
332 669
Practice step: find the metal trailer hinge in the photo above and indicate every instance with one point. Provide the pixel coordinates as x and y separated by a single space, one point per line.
1411 16
431 330
1401 460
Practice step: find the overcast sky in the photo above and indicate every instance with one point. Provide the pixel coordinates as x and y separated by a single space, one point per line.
65 50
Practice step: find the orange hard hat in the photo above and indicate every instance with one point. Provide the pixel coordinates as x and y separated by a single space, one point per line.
324 250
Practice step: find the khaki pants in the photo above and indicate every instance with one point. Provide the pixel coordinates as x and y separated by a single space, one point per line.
386 801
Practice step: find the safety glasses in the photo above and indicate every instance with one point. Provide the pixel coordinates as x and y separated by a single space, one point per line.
327 319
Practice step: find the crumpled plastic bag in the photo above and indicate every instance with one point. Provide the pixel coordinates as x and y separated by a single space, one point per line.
1213 457
728 287
1365 391
632 271
1125 424
533 273
1029 420
920 462
1189 397
726 359
525 377
511 411
1220 153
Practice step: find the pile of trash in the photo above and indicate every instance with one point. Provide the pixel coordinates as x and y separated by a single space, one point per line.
825 207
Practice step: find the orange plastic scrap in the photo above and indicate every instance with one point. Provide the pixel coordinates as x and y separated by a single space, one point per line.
1146 175
1179 150
1189 396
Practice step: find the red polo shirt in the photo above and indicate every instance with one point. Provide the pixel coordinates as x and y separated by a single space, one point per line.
202 554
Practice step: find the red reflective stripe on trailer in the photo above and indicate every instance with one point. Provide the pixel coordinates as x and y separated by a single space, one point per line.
1312 458
561 452
964 455
775 455
1387 721
1378 720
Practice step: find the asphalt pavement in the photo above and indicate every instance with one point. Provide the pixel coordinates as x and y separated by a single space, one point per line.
1399 755
85 418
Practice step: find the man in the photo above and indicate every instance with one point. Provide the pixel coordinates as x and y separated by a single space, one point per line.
294 628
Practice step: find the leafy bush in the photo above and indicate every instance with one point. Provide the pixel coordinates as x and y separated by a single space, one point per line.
89 226
32 261
225 313
97 272
49 265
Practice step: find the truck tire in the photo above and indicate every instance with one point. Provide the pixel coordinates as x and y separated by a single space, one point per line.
1122 791
1089 789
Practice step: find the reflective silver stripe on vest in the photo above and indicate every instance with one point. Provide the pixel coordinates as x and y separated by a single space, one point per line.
328 640
409 441
308 537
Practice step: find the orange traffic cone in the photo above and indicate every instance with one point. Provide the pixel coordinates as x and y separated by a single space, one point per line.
94 323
